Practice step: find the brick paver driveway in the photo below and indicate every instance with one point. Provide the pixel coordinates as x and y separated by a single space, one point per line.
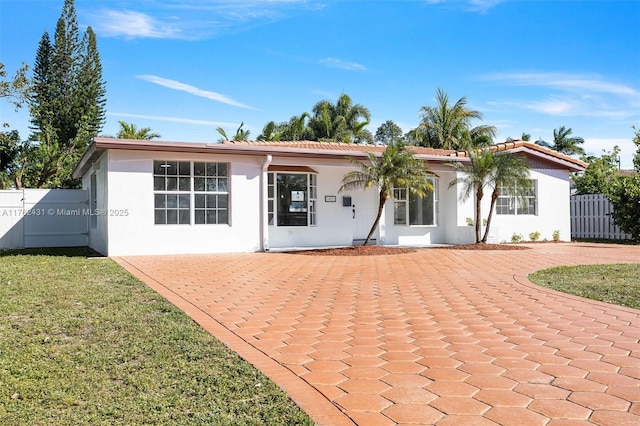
446 337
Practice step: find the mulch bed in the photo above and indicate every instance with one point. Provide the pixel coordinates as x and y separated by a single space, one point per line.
370 250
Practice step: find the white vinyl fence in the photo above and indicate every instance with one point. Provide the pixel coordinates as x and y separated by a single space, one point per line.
591 218
44 218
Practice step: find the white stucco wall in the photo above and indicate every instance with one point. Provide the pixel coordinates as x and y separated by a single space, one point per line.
336 225
552 213
98 229
424 234
456 212
125 196
132 230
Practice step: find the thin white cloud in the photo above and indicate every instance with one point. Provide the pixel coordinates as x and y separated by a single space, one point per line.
171 119
325 94
483 5
553 106
565 81
566 106
192 19
183 87
568 94
470 5
342 64
129 24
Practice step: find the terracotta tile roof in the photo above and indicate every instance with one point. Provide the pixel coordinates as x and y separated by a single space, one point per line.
514 146
519 146
314 149
338 146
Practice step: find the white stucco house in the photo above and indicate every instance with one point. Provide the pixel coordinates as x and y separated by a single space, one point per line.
154 197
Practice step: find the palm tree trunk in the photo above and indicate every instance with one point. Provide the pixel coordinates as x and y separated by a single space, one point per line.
479 195
494 198
383 199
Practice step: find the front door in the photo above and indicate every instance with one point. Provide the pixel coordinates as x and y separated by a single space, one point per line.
364 210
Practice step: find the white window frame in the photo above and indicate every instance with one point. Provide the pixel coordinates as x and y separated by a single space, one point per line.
216 187
311 199
402 197
185 193
173 192
509 205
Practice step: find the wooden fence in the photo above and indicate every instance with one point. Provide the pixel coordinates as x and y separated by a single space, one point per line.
591 218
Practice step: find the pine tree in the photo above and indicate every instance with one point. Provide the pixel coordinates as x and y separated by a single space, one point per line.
91 87
43 90
68 102
636 156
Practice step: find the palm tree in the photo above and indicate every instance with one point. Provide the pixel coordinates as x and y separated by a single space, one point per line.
297 127
445 126
338 122
488 169
543 143
361 134
352 113
270 132
241 134
511 171
321 122
131 131
563 143
293 130
477 175
526 137
396 168
478 136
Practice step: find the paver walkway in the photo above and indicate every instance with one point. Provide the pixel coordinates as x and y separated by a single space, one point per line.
446 337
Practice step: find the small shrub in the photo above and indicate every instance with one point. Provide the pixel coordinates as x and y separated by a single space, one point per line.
484 222
556 235
534 236
469 221
516 238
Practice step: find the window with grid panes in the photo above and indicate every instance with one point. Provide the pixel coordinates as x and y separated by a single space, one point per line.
414 210
172 192
271 197
211 193
508 204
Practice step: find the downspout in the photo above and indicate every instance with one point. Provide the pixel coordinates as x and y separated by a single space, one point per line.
264 211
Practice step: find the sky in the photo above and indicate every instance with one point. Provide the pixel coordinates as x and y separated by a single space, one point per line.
185 67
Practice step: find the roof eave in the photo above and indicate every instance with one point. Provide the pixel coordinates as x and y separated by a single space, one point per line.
572 165
91 154
99 145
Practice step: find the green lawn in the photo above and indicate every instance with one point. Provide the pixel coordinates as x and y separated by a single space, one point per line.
82 342
618 284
